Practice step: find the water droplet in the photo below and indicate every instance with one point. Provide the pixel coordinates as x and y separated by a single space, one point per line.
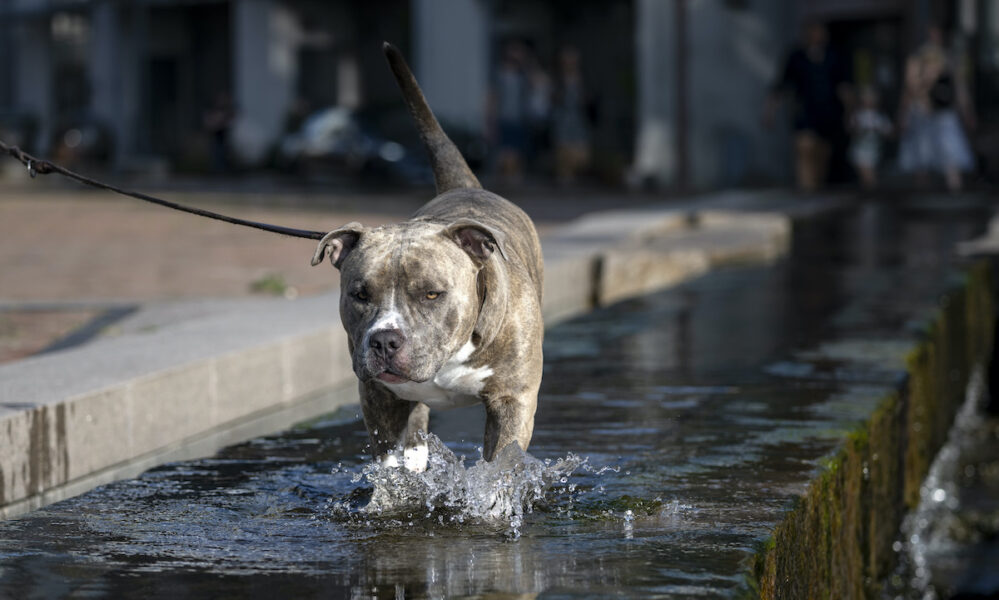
939 495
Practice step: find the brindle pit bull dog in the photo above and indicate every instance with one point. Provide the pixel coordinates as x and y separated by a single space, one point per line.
442 310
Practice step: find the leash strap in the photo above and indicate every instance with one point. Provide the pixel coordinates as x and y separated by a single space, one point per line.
36 166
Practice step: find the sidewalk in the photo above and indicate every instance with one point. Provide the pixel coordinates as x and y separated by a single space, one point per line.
68 255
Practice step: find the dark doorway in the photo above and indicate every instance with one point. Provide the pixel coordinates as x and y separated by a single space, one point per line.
162 82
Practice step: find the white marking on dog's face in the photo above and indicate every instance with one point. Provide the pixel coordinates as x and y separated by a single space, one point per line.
455 384
391 319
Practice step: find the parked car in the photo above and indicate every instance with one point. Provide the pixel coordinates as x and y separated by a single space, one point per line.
335 138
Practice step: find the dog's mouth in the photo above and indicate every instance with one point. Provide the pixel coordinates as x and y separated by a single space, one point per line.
389 371
390 376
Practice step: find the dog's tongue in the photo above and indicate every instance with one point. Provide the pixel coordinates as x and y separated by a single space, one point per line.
391 377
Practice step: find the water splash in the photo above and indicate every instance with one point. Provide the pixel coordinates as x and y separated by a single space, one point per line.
497 493
928 533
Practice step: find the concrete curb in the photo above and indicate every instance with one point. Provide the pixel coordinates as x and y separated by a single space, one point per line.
75 419
836 541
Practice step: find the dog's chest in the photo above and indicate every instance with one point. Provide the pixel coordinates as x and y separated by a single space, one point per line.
455 384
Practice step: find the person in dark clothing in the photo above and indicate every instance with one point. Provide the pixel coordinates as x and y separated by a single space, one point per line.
218 120
507 112
817 78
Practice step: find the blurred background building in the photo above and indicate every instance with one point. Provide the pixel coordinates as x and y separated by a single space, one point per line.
675 87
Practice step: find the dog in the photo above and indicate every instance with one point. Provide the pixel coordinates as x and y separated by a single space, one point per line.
442 310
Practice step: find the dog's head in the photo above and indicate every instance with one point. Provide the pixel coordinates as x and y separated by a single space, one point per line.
409 293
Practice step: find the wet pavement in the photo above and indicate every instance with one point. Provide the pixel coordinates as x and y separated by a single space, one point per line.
690 421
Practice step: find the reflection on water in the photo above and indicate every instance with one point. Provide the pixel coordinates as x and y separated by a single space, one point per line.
672 432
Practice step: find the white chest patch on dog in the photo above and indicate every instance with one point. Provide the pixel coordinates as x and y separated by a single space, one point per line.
456 384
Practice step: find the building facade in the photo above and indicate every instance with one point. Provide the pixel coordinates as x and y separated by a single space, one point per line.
675 87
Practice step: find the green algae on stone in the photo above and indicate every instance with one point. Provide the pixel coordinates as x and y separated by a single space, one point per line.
835 541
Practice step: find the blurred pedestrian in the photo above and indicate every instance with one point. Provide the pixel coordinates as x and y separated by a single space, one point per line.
868 129
933 101
507 112
217 121
817 78
538 110
570 127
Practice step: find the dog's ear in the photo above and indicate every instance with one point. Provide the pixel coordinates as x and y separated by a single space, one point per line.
338 244
477 239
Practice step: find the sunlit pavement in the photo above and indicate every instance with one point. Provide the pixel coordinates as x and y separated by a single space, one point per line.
69 255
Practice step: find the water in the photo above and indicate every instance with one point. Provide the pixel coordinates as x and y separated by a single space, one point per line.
673 431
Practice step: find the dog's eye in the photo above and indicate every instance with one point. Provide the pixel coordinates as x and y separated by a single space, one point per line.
362 295
433 295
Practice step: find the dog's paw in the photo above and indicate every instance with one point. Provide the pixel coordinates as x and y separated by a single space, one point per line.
416 457
389 461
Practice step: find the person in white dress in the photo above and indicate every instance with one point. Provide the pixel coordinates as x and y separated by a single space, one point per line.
934 101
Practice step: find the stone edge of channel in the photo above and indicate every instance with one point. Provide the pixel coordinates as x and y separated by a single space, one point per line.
836 540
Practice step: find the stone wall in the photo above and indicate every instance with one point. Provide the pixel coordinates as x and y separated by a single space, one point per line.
836 541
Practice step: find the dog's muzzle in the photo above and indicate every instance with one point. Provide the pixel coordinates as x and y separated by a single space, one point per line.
385 347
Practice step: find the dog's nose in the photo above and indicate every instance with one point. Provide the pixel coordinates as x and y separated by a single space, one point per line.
386 342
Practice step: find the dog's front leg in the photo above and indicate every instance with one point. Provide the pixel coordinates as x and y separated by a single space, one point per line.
395 424
509 419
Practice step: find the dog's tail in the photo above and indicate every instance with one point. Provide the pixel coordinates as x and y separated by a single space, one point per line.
450 169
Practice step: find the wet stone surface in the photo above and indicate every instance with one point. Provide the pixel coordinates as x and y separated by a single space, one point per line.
672 433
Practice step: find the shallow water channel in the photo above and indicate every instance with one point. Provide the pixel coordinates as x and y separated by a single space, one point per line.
676 428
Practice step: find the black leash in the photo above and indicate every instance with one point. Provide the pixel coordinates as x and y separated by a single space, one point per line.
43 167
